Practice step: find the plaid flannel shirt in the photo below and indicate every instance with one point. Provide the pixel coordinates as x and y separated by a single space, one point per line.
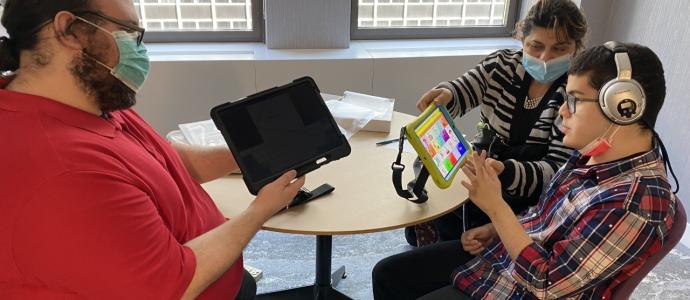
593 228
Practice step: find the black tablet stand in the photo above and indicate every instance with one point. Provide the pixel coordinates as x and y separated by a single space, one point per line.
304 195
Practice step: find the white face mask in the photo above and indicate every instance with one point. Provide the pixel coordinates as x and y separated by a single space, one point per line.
545 71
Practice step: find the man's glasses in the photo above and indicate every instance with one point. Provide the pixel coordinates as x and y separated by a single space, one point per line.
130 28
572 101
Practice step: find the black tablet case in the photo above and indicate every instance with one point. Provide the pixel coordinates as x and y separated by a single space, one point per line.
284 128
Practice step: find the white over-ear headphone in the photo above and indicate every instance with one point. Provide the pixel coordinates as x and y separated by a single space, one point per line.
622 99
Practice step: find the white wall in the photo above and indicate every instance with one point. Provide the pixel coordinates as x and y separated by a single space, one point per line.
185 91
663 26
597 13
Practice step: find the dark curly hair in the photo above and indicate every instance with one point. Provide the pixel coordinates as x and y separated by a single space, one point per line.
23 20
561 16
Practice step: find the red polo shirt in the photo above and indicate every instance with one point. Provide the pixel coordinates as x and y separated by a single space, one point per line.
94 208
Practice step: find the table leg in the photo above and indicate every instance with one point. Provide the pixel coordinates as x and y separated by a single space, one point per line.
322 288
324 246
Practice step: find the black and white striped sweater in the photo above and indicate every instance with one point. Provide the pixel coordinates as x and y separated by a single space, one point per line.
495 85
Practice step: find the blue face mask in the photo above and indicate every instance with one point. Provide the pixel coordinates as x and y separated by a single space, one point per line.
133 66
545 72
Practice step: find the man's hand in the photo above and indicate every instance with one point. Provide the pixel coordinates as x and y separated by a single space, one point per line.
477 239
217 249
440 96
278 194
483 185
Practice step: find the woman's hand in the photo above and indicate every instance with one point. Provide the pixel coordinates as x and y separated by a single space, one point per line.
440 96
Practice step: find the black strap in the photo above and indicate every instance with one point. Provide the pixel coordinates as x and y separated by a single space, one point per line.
305 195
415 191
524 119
667 161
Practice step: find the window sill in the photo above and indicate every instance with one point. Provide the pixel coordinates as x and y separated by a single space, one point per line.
361 49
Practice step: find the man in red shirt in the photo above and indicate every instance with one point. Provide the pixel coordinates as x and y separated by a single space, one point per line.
94 204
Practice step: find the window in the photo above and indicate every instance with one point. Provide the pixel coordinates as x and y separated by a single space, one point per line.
380 19
200 20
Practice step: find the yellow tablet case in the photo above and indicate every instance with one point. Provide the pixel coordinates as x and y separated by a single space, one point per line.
439 144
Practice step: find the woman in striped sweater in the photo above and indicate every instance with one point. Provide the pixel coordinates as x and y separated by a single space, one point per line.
519 93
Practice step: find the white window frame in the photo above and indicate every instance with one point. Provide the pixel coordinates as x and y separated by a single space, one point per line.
357 33
255 35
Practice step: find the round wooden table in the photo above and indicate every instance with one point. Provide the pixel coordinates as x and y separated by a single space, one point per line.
363 201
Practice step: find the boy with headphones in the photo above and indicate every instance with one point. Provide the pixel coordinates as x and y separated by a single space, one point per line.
605 211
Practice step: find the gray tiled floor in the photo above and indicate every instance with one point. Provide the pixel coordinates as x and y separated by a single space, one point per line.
288 261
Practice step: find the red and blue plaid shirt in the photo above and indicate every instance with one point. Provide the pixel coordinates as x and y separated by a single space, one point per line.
593 228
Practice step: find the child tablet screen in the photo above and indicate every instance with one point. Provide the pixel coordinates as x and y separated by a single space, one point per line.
439 144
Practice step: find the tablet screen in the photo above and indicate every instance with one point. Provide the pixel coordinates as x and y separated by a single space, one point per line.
440 141
280 130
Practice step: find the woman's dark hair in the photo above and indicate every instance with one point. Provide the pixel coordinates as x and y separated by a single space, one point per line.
599 65
561 16
23 20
